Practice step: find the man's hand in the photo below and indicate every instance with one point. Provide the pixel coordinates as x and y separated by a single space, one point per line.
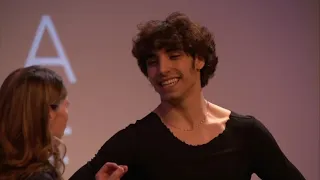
111 171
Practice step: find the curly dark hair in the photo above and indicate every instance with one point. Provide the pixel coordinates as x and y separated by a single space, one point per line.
176 32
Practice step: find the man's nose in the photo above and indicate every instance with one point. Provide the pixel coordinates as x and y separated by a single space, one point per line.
164 65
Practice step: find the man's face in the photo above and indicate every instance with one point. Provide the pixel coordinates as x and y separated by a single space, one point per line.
173 73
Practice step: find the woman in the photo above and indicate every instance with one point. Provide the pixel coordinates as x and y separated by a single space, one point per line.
33 117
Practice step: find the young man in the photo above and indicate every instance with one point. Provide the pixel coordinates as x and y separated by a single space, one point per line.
187 137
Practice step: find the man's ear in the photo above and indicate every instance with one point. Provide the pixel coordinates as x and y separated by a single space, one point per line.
199 63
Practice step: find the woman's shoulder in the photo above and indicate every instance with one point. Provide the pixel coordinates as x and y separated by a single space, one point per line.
45 175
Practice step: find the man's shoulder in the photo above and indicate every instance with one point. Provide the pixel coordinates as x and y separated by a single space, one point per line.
241 117
242 120
248 123
233 118
144 123
149 118
146 120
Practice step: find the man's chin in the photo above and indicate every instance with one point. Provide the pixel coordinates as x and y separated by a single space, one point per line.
171 98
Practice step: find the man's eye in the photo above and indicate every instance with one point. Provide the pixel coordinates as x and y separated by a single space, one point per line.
151 61
176 56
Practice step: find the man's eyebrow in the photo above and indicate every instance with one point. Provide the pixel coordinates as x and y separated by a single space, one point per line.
173 50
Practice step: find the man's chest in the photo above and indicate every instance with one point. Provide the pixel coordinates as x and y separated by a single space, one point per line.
167 162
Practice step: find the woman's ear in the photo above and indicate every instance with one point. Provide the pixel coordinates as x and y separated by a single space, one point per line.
52 114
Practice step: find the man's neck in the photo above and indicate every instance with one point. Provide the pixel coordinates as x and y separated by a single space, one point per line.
187 113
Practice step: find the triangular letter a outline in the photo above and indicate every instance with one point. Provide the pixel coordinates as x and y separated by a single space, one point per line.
61 60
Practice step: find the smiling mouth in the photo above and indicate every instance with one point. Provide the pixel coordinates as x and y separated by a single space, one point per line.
169 82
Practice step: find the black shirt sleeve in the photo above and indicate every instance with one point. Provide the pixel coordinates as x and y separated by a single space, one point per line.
120 148
269 162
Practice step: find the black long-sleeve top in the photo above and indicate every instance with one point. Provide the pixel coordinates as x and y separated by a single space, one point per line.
152 152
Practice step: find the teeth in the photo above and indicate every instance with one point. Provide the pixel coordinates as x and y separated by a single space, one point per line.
169 82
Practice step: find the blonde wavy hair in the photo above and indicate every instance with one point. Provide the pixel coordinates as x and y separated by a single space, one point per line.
26 143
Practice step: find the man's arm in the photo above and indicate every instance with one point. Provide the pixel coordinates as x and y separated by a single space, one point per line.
120 149
269 162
